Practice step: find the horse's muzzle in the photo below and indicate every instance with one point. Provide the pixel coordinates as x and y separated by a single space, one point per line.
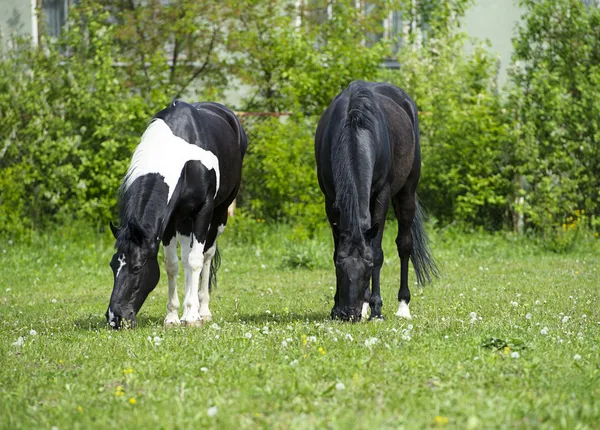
353 314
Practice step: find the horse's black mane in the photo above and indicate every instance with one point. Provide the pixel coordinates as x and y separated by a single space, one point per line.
361 117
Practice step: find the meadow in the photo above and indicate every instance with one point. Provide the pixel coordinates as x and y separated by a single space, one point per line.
508 337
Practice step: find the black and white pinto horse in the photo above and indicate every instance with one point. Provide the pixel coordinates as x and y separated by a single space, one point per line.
367 152
183 175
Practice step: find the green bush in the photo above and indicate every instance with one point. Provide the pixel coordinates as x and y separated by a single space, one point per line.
279 177
463 137
69 126
555 112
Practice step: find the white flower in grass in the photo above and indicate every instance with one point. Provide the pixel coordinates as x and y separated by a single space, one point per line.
157 340
340 386
212 411
54 301
204 369
515 304
350 338
19 342
248 335
515 354
267 311
577 357
371 341
312 338
293 363
215 326
528 316
32 332
284 344
544 331
565 319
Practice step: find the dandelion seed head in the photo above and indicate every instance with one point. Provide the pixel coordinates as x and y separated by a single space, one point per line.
212 411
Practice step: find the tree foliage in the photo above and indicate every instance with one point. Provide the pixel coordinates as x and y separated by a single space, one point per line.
555 111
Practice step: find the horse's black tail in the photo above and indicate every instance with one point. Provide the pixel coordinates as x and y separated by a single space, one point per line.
214 267
423 262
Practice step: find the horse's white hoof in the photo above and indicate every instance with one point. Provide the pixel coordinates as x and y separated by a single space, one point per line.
403 311
172 322
206 318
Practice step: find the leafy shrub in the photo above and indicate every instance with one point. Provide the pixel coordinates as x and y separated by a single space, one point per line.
555 112
463 137
69 127
279 178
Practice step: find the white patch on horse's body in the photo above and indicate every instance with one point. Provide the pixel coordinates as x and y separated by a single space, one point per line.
160 151
192 256
122 263
365 310
172 267
403 310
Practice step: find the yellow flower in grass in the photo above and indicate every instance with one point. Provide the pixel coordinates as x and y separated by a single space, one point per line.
321 350
119 392
441 421
506 349
132 401
79 409
304 340
127 371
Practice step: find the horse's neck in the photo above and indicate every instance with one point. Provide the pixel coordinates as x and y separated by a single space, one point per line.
147 206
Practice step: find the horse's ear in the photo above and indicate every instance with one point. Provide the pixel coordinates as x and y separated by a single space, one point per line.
114 229
371 233
137 234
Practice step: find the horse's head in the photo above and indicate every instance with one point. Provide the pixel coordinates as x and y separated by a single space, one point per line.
136 273
353 269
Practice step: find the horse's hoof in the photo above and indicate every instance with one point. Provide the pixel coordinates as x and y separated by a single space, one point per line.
403 310
376 318
194 323
206 318
172 324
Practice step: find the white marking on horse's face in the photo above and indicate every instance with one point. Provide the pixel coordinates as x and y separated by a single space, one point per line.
403 311
160 151
122 263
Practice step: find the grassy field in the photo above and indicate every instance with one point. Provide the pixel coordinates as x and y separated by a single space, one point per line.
509 337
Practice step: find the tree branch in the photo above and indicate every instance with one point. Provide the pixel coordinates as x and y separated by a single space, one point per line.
203 67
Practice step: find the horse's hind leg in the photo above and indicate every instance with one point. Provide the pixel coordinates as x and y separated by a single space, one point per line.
404 207
217 227
172 266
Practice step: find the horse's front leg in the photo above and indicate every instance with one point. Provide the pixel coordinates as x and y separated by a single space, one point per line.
379 208
192 256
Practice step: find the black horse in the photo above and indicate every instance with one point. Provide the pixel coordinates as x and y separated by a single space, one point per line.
367 151
183 175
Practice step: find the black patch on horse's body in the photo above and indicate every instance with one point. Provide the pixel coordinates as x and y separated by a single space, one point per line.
367 152
148 216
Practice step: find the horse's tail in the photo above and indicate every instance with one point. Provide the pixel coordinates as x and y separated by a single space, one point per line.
423 262
215 263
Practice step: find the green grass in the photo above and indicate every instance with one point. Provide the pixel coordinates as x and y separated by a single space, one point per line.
259 362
